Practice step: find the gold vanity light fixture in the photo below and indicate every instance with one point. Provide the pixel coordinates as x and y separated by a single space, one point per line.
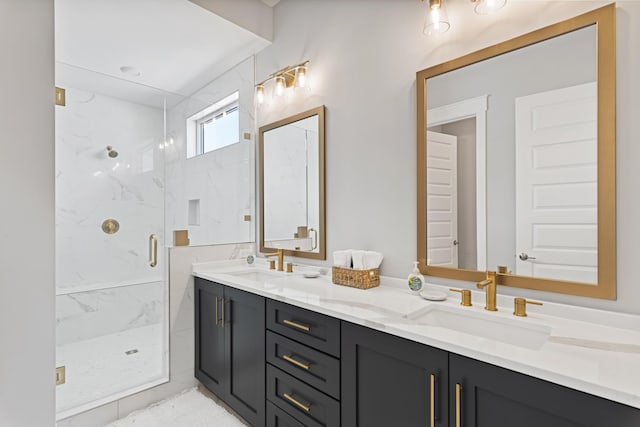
437 20
287 77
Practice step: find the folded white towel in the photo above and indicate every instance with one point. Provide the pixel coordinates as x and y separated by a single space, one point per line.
342 258
357 257
372 259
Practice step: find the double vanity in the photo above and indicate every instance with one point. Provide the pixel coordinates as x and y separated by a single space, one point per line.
535 201
285 350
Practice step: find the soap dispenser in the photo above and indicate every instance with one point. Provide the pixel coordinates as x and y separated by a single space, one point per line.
416 279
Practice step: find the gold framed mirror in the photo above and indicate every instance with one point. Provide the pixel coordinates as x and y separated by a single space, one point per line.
292 185
521 135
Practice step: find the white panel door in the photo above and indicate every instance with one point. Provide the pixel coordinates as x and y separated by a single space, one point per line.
442 199
556 184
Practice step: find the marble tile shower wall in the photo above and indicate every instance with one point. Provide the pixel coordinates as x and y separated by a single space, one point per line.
221 180
92 314
92 186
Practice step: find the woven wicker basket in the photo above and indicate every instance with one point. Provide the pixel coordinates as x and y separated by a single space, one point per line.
361 279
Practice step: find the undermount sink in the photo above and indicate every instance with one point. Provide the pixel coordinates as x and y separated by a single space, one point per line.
256 275
515 331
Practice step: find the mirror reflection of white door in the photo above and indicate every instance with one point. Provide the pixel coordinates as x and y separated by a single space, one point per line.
556 184
442 199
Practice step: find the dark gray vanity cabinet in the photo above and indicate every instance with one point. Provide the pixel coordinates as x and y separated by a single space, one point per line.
303 367
386 382
390 381
486 395
230 347
280 365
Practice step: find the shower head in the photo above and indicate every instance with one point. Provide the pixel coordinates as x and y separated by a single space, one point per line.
111 152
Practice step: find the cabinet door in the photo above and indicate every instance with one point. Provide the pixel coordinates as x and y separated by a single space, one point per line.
244 317
210 358
497 397
387 381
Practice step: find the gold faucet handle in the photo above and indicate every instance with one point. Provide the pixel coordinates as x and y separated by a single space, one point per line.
465 296
272 264
289 267
276 253
520 306
484 283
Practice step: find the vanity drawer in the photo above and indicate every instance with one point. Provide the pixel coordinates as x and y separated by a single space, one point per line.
306 404
310 328
276 417
311 366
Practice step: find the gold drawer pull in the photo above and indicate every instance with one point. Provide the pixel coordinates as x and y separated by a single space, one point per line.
432 401
302 406
297 325
458 405
217 319
296 362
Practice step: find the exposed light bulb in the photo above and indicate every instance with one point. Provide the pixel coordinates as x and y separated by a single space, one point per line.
437 21
260 94
485 7
301 76
279 85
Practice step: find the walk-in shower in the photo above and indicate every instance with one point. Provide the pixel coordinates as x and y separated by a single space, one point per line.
111 287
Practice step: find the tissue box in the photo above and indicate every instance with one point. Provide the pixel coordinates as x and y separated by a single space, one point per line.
361 279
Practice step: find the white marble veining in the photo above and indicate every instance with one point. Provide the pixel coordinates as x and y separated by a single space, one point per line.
222 180
86 315
589 350
92 187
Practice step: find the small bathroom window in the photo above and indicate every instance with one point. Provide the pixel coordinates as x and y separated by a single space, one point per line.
215 127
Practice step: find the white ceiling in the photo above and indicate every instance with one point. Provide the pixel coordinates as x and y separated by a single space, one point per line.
176 45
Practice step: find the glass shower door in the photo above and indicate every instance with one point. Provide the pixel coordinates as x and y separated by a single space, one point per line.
112 293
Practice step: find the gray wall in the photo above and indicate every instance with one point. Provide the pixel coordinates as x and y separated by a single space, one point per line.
363 65
27 319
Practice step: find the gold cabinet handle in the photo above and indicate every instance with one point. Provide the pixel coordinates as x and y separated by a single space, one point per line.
299 404
432 400
296 362
153 250
222 312
297 325
458 405
217 320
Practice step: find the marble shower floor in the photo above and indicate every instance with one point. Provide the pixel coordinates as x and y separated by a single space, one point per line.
100 368
191 408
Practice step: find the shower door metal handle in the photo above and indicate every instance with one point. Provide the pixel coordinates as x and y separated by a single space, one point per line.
153 250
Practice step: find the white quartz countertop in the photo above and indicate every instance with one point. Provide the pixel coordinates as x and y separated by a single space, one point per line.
594 351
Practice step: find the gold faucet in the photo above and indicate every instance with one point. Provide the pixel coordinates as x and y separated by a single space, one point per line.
280 255
490 284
